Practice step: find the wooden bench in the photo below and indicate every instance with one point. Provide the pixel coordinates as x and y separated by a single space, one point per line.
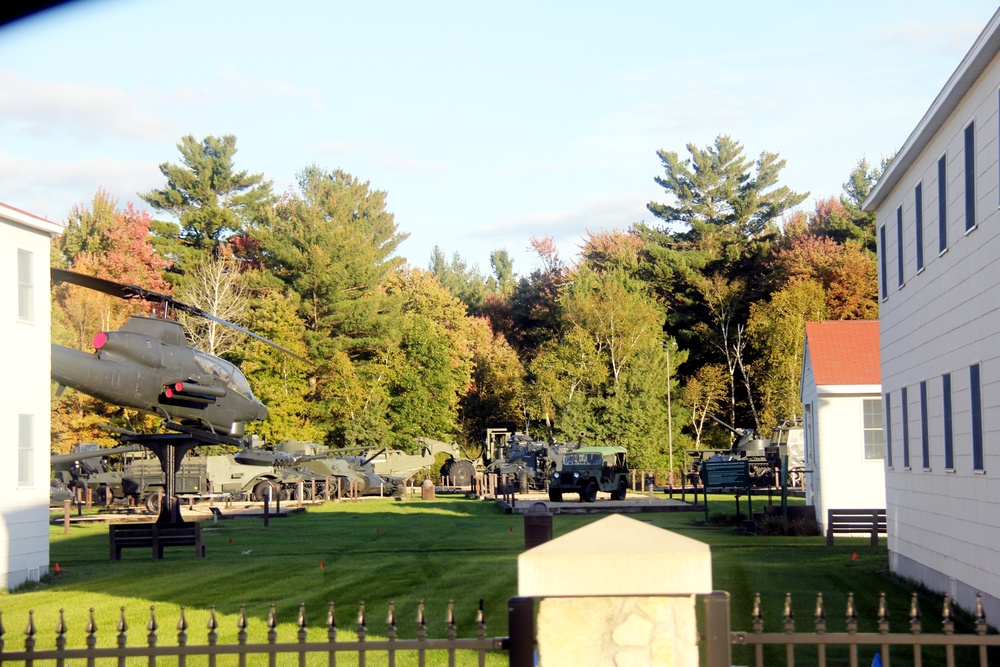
156 537
855 521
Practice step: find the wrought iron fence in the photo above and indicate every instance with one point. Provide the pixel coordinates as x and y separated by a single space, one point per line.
472 650
719 639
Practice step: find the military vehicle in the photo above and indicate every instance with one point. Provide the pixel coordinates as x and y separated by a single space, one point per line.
459 468
252 474
530 462
355 469
789 434
587 470
85 468
147 365
761 455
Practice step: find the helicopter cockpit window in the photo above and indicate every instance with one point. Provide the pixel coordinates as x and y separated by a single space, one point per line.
225 371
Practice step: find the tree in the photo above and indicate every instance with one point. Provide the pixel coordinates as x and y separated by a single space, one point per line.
210 199
704 393
776 330
503 271
333 244
215 285
86 229
716 189
605 374
465 283
847 273
496 394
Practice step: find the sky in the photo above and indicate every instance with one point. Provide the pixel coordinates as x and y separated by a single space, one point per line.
486 123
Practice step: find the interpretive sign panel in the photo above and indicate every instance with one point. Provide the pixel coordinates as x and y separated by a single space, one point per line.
725 474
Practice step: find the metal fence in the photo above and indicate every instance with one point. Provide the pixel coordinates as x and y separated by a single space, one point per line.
355 650
819 645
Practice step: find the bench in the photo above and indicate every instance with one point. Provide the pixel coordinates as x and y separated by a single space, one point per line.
855 521
156 537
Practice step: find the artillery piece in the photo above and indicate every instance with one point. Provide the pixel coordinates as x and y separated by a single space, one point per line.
531 462
758 452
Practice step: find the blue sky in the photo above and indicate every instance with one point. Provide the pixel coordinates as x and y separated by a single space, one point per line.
486 123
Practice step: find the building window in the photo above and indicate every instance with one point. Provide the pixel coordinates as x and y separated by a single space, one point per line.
25 450
975 391
25 287
918 203
899 245
942 203
925 447
949 443
888 430
872 424
906 428
970 176
884 282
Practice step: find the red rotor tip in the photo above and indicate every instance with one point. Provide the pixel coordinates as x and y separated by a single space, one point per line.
100 340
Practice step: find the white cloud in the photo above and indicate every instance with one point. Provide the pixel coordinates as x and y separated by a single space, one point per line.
51 189
391 160
51 108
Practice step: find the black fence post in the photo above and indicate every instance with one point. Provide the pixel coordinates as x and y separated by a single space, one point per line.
521 629
718 650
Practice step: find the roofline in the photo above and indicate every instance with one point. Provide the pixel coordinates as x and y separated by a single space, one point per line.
982 53
848 389
30 220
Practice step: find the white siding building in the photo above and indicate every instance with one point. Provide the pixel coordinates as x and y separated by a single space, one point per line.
25 395
938 217
842 417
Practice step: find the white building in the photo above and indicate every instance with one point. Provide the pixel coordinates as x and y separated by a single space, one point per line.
24 395
939 280
842 417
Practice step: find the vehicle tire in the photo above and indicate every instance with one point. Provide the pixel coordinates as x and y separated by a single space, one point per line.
619 493
152 503
103 496
588 493
260 491
306 494
555 496
461 472
285 494
237 496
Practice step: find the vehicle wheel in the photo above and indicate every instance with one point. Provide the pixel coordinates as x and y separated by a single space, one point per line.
306 494
589 492
461 472
555 496
522 481
285 494
153 503
619 493
103 496
260 491
237 496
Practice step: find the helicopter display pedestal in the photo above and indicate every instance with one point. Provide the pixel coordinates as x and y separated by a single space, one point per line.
169 449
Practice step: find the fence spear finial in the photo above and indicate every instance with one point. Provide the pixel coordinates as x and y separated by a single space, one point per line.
915 626
980 615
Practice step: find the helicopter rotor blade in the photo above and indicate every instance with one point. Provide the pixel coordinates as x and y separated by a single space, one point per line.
124 291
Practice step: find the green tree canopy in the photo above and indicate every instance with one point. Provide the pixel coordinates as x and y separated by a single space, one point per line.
210 199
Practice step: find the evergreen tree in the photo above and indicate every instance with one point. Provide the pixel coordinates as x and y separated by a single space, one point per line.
210 199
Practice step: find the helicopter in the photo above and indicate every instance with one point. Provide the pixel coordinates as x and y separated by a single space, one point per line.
147 365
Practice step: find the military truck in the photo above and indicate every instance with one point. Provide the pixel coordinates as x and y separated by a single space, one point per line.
530 462
253 473
86 468
587 470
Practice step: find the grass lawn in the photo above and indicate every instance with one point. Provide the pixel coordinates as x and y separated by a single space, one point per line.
448 549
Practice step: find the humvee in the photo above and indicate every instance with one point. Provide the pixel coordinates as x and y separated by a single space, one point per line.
588 470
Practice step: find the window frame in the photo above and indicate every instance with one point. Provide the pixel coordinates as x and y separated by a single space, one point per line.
873 451
942 204
25 286
25 450
970 175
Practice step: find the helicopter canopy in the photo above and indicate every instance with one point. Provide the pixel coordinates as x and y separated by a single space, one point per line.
227 372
